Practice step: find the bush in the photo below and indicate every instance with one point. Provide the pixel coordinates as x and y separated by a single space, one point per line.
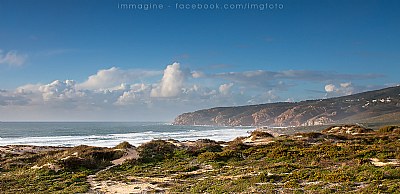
208 156
156 150
102 154
389 129
206 141
124 145
210 148
265 177
262 134
230 155
89 157
204 145
220 156
74 163
237 145
310 134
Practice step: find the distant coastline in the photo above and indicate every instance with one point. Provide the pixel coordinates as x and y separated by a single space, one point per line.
366 107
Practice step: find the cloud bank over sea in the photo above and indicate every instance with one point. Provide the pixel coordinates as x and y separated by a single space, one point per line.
116 94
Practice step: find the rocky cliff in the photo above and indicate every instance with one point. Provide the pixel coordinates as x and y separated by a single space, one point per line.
352 108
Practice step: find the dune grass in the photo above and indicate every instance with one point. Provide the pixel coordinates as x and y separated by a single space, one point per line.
302 163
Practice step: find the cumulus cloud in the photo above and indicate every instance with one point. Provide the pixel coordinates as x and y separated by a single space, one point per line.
127 97
198 74
12 58
138 93
8 98
107 78
122 86
330 88
348 88
171 83
133 92
342 89
60 90
225 89
28 88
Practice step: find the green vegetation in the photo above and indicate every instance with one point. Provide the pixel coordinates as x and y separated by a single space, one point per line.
390 129
327 162
58 171
308 162
155 150
259 133
123 145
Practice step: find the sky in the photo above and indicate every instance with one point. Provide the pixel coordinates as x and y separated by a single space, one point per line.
96 60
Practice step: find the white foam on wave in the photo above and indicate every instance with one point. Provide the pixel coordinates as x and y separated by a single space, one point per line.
110 140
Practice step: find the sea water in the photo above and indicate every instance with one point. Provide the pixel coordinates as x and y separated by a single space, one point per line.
108 134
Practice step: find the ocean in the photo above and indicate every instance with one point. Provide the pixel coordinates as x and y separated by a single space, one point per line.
108 134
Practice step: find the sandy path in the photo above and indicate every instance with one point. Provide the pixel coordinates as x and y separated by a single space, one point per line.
130 153
114 186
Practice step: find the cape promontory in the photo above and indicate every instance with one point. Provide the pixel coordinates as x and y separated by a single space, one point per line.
378 105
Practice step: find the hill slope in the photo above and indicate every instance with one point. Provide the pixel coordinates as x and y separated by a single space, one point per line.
352 108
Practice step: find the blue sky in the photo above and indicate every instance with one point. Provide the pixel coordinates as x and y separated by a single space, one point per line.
171 60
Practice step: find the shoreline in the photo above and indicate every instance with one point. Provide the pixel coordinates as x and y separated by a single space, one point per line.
109 136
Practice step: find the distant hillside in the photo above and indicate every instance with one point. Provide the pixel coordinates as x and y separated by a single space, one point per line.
376 105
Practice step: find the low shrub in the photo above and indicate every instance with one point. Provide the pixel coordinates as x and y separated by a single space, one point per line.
208 156
203 145
230 155
155 151
261 134
237 145
310 134
224 156
89 157
75 163
389 129
124 145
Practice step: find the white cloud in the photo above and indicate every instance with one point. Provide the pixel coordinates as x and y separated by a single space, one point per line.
343 89
171 83
274 79
345 85
127 98
330 88
198 74
136 93
60 90
225 89
122 86
12 58
107 78
265 97
8 98
28 88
